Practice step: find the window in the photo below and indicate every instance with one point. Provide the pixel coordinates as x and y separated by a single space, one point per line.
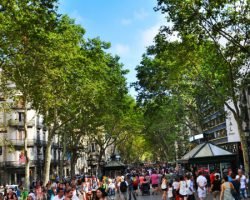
20 135
20 117
92 147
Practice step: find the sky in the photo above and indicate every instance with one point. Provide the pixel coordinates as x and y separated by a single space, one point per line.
129 25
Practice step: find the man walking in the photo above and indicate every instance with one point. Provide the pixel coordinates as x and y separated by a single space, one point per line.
201 183
243 184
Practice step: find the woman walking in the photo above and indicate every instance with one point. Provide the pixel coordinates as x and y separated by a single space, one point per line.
164 187
183 188
226 189
215 187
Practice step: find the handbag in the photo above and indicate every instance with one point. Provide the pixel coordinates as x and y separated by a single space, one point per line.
233 190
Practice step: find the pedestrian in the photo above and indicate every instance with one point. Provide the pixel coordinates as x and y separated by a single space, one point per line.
190 187
117 183
201 183
1 196
111 189
68 194
74 192
131 191
243 184
154 181
236 184
11 195
183 188
226 189
164 187
170 192
216 187
60 194
176 188
101 194
123 187
31 196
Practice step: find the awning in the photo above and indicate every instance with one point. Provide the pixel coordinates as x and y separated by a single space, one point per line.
207 153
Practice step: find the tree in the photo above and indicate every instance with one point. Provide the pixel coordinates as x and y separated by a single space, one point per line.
226 24
23 28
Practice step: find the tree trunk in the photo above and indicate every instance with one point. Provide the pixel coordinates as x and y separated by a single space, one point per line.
243 146
61 172
26 150
98 167
243 139
73 164
47 159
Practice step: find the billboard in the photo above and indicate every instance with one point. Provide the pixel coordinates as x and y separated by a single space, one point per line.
232 127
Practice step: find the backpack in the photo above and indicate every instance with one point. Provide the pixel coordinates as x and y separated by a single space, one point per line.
123 187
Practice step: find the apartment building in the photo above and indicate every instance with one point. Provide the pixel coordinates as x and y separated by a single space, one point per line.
220 127
12 159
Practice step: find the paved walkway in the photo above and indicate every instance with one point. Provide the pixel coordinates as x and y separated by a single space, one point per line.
155 197
159 197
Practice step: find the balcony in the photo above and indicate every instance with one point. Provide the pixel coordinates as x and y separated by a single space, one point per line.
216 128
17 123
218 141
41 142
20 142
16 164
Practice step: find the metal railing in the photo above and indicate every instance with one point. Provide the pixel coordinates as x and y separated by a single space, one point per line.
12 122
20 142
15 163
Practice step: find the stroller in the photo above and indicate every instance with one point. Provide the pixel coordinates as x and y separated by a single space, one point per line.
145 189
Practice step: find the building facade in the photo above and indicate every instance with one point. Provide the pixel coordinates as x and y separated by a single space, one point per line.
12 159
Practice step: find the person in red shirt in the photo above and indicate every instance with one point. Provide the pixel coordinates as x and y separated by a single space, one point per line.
212 177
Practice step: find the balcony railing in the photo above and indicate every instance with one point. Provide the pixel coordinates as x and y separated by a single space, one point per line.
20 142
15 163
12 122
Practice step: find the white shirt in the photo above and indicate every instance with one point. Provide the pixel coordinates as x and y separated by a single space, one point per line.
190 189
75 197
202 182
243 180
57 198
170 192
183 188
175 185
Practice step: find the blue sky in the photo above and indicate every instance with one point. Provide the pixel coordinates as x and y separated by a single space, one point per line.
130 26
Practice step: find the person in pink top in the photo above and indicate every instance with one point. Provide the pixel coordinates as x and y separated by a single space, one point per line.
154 181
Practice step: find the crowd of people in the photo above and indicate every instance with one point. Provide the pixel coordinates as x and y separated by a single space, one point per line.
169 184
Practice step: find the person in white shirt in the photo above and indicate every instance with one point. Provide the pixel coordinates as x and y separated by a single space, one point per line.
74 191
190 187
243 184
183 188
170 192
60 195
175 186
68 194
201 183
